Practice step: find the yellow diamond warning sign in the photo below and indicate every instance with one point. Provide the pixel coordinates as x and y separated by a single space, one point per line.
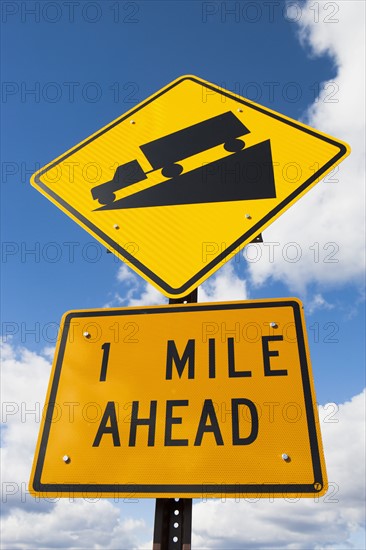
189 400
186 179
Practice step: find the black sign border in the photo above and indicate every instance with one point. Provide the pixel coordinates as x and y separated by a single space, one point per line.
248 235
192 489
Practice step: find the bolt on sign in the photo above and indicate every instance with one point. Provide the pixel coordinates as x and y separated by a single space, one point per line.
183 181
188 400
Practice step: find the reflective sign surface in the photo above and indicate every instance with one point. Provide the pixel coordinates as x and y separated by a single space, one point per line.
187 400
183 181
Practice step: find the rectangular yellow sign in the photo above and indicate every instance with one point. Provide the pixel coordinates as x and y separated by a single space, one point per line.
190 400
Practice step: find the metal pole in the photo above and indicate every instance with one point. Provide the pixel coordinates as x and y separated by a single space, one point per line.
173 516
173 524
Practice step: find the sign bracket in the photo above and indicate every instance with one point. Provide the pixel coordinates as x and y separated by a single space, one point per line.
191 298
173 516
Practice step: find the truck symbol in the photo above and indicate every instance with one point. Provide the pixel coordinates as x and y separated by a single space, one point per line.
166 152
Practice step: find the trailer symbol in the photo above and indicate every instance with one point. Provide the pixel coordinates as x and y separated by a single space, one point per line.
204 184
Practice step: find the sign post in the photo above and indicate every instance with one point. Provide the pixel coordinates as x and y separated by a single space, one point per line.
173 524
173 517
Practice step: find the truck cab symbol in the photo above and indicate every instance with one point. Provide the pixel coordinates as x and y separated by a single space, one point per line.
166 152
125 175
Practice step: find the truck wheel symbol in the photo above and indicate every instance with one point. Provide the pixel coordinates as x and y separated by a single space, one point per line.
234 145
125 175
172 170
106 197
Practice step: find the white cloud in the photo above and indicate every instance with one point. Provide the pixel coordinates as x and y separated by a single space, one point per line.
327 225
224 286
75 524
149 296
48 352
330 522
318 302
126 275
136 292
24 377
139 295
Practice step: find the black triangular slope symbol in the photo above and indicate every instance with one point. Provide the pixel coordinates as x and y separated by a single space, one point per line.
245 175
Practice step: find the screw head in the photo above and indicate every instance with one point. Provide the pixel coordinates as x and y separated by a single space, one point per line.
248 216
285 457
86 334
240 110
66 459
273 325
132 122
116 226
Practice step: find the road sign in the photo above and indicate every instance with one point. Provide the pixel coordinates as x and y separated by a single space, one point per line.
187 178
188 400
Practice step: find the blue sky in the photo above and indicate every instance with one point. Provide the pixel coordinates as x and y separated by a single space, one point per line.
70 68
